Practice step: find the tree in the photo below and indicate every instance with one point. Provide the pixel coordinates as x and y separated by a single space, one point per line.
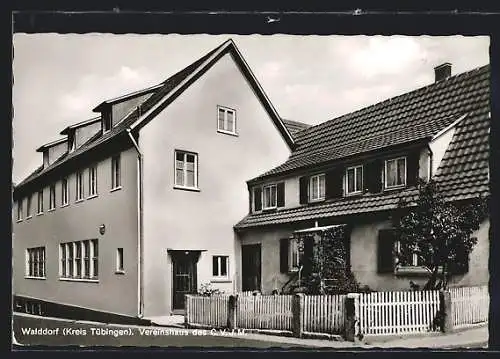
438 232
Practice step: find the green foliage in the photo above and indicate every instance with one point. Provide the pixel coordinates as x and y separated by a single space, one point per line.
438 231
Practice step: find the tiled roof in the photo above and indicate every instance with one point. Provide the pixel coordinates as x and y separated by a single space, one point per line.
462 174
405 118
295 127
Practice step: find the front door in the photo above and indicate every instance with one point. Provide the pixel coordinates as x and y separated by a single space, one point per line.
184 277
251 267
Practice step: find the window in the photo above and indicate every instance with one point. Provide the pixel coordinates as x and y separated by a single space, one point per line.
119 259
115 172
220 266
106 125
52 197
354 180
78 259
35 262
293 255
64 192
20 210
40 202
270 196
317 187
408 257
28 206
395 172
93 181
186 169
79 186
226 120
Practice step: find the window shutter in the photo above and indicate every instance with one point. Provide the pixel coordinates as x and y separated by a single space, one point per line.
385 256
412 168
373 178
461 265
333 183
284 243
257 197
280 194
303 189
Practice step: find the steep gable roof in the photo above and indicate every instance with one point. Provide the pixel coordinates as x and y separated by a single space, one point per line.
463 172
165 93
416 115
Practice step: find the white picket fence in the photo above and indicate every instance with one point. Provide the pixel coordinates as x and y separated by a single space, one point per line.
264 312
384 313
323 314
469 305
209 311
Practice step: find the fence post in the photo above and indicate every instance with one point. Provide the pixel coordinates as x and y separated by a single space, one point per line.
351 316
188 310
231 311
297 310
445 309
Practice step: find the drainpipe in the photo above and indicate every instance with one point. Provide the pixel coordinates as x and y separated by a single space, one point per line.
430 161
140 232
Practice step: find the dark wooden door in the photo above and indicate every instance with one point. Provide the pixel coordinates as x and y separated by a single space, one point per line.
251 267
184 278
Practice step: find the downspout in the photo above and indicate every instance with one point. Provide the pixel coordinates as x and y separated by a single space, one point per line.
140 232
430 162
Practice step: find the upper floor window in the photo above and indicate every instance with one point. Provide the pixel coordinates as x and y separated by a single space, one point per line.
220 266
226 120
93 180
79 185
115 172
52 197
395 172
268 196
354 180
119 260
64 192
317 187
106 121
35 262
20 210
28 206
40 202
186 169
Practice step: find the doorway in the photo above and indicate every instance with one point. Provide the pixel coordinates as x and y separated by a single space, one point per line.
251 267
184 277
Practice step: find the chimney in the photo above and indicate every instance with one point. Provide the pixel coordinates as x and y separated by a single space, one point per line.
442 72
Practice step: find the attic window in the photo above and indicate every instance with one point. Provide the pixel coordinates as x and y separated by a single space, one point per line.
226 120
106 121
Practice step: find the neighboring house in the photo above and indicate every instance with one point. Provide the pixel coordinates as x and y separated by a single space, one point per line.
136 207
353 169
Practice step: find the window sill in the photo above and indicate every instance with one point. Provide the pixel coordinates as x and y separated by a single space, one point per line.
183 188
36 278
79 280
121 272
40 214
29 217
316 200
65 205
19 220
387 189
220 280
93 196
51 210
79 200
417 271
115 189
228 133
353 194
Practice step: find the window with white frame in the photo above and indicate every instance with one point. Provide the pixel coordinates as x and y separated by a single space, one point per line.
119 260
354 179
226 120
52 196
93 180
28 206
40 202
35 262
78 260
116 172
293 255
20 209
317 187
269 194
79 185
64 192
186 169
220 267
395 172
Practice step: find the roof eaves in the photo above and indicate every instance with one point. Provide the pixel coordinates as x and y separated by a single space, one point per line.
51 144
80 124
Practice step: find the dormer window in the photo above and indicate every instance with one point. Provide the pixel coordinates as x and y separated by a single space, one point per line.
106 121
395 173
317 188
270 196
354 180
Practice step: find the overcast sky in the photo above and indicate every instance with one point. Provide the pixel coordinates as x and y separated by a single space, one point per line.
58 79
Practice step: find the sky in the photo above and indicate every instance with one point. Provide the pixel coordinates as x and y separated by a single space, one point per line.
60 78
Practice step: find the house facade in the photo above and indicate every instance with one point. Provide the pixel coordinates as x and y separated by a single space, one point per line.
135 208
352 171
